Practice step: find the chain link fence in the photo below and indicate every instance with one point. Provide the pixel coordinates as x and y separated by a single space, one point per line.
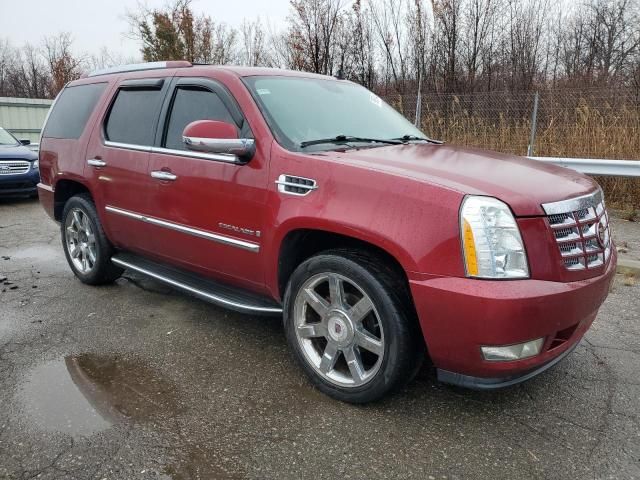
588 123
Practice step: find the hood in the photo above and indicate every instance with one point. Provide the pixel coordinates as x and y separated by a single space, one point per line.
19 152
522 183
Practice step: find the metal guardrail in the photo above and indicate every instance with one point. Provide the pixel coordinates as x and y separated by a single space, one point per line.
592 166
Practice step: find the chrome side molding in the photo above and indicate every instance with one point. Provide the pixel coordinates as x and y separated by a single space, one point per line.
217 157
234 242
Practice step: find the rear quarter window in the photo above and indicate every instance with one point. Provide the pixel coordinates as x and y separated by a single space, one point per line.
72 110
133 116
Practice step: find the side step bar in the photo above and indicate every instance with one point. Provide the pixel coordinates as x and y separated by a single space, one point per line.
201 287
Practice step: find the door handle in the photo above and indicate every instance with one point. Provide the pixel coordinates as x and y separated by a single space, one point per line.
96 162
162 175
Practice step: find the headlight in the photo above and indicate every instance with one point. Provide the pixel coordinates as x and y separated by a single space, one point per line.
491 240
36 164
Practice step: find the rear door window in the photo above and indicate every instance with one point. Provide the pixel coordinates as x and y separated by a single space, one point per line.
72 110
133 116
191 104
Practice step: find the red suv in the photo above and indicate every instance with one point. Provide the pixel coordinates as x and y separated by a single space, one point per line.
286 193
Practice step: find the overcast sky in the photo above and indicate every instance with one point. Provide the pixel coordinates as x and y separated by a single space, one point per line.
95 24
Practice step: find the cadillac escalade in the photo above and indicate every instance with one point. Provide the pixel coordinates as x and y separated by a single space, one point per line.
286 193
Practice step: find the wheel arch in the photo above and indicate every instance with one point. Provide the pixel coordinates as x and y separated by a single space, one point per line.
300 243
64 190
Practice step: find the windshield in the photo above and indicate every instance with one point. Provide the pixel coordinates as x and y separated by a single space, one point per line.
301 111
7 139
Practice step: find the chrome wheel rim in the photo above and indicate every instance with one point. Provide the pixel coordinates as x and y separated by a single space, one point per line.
80 240
339 330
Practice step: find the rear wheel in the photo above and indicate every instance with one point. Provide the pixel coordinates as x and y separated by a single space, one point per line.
86 247
348 327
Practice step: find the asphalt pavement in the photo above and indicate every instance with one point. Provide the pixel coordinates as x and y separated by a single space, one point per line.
136 381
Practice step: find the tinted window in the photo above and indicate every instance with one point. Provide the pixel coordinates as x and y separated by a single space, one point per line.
189 105
133 116
72 110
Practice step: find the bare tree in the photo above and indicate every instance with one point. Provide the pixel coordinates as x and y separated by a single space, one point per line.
254 51
312 34
420 33
7 66
448 40
477 49
106 59
31 78
363 47
63 65
388 19
613 27
527 21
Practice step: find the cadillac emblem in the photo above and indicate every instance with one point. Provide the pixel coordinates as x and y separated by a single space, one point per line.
601 234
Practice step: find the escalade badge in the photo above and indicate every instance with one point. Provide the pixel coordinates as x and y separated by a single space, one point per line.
234 228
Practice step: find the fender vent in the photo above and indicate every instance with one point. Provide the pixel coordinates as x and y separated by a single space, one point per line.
295 185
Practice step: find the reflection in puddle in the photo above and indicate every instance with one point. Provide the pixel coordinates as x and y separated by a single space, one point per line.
85 394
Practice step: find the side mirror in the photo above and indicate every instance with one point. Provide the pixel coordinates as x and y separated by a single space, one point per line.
212 136
25 142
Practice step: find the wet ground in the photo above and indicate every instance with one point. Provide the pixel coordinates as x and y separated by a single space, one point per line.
135 381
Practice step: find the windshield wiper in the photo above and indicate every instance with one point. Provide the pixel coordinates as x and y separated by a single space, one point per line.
411 138
340 139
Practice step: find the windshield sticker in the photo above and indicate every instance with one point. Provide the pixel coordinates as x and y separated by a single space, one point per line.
263 91
376 100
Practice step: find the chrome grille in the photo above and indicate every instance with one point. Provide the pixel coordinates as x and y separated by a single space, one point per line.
13 167
581 229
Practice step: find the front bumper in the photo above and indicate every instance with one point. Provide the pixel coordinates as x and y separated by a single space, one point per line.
19 184
459 315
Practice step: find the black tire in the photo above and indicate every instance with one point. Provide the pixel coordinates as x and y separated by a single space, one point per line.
103 270
403 345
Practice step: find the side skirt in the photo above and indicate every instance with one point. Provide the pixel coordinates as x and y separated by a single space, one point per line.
206 289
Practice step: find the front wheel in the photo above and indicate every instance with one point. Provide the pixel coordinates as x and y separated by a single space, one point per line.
86 247
348 327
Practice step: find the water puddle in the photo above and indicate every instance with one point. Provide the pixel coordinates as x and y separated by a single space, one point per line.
84 394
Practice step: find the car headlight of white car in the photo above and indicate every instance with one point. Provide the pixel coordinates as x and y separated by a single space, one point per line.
491 241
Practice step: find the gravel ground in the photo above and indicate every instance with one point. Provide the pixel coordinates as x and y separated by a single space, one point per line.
135 381
628 235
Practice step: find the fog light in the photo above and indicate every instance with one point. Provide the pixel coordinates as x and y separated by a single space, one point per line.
513 352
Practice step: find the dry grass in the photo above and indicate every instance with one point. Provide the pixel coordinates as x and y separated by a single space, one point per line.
577 124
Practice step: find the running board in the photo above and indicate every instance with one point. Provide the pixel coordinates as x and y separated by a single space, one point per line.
201 287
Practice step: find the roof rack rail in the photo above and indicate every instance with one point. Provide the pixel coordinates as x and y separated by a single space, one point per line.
136 67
